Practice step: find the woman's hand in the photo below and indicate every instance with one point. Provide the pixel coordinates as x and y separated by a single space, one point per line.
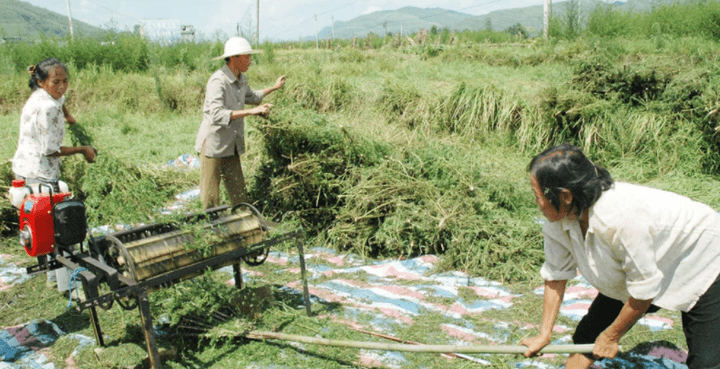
89 153
535 344
606 347
607 343
70 118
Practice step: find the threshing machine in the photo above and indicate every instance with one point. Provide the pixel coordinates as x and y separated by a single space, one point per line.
124 266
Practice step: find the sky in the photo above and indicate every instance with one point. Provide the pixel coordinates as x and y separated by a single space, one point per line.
280 20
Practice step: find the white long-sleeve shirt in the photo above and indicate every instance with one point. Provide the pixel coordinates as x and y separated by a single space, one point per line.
640 242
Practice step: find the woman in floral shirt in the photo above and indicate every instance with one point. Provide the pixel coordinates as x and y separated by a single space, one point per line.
39 151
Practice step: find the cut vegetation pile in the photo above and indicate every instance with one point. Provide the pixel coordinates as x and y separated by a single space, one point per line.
364 196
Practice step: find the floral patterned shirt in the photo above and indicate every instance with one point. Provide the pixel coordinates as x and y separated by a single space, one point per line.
42 128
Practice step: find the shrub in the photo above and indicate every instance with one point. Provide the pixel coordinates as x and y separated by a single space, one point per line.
626 84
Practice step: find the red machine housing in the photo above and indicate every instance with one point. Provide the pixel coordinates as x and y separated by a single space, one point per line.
37 228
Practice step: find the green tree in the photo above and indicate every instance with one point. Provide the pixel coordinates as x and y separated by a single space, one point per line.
518 30
572 19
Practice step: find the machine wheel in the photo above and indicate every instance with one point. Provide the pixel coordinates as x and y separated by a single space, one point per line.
127 302
119 258
256 257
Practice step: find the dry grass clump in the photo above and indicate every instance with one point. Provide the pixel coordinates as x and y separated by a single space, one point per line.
402 103
319 93
476 111
472 112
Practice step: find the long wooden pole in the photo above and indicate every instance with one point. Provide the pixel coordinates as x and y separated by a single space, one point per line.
475 349
447 354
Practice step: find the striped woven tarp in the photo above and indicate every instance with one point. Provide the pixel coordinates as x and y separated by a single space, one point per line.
393 292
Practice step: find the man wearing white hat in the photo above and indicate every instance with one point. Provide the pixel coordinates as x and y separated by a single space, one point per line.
221 138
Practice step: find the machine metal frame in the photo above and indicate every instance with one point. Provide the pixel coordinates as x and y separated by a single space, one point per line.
131 294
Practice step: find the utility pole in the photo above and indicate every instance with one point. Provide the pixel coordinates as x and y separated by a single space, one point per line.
72 36
257 21
547 11
332 19
317 46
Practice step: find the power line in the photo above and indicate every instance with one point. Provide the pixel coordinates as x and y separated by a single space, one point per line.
311 18
113 11
442 13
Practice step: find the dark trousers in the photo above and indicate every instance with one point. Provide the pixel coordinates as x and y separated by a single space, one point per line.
701 326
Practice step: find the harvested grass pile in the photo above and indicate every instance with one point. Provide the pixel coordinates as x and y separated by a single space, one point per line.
374 199
442 199
308 164
113 192
117 192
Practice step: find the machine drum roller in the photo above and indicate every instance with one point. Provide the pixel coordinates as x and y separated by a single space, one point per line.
148 257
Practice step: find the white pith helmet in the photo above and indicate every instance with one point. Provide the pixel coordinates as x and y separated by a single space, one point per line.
237 46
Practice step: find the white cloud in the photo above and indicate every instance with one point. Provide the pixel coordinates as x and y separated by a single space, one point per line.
372 9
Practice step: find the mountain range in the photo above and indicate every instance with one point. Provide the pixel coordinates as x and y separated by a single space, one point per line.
21 20
410 20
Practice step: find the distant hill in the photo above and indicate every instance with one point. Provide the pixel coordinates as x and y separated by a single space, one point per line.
646 5
410 20
24 21
406 20
529 17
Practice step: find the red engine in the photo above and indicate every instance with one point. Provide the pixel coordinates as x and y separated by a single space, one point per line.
48 220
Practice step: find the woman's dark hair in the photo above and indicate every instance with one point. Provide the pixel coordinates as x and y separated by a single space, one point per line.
41 71
566 167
